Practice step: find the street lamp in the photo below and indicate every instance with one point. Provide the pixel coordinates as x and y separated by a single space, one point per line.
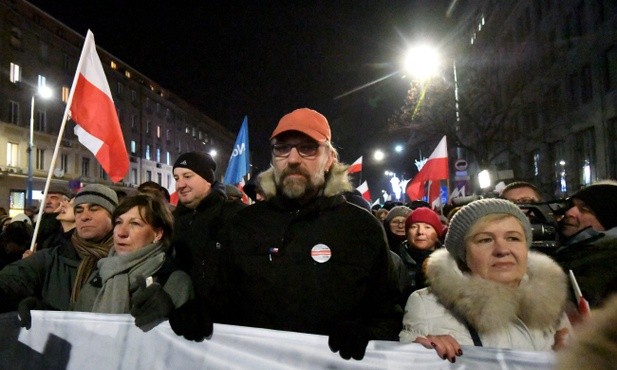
44 92
422 62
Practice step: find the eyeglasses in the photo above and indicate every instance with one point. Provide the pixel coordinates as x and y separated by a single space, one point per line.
304 149
399 223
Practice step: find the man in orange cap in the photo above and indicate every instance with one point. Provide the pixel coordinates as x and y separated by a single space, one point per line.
306 260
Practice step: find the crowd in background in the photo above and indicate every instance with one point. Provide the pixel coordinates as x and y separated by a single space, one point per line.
310 255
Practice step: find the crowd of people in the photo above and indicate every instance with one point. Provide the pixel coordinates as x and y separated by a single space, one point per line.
311 256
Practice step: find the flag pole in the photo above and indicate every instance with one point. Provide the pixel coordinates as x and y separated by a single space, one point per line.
88 40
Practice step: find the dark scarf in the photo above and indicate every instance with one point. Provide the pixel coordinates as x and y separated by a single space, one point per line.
90 253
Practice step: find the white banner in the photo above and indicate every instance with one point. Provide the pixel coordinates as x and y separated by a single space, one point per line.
71 340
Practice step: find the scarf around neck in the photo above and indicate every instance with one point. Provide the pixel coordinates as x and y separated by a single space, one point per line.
90 253
121 275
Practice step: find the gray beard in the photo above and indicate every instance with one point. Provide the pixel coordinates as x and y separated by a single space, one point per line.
299 188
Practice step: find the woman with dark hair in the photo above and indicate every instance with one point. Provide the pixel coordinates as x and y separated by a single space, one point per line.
138 271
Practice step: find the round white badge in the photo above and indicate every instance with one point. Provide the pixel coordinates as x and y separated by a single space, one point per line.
321 253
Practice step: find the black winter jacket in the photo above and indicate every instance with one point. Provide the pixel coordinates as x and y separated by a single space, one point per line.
197 235
279 275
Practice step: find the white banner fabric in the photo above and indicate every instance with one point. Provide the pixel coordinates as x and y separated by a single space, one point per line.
72 340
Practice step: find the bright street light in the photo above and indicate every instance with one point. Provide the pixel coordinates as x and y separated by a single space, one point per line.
421 62
379 155
398 148
43 92
212 153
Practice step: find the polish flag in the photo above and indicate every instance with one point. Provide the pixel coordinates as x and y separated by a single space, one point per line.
434 170
363 189
92 108
173 199
356 166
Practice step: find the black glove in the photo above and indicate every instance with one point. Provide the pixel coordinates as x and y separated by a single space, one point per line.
350 339
150 306
28 304
192 320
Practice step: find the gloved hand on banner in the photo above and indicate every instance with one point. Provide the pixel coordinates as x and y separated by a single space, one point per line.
350 340
150 306
192 320
28 304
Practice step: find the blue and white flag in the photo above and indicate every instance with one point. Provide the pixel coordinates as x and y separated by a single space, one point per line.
239 165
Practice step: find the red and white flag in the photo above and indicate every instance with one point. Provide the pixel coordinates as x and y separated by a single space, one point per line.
92 108
434 170
363 189
356 166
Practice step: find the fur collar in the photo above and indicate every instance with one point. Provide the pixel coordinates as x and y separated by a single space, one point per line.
337 181
488 306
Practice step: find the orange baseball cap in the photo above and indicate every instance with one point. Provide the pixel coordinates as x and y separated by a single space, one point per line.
307 121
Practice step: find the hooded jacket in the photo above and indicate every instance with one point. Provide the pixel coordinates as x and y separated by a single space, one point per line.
306 268
522 318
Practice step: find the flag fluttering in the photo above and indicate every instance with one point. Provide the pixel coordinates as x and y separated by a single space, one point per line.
434 170
239 165
92 108
356 166
363 189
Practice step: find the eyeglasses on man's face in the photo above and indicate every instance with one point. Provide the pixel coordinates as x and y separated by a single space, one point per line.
305 150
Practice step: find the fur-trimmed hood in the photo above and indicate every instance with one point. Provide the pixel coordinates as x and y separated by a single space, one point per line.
489 306
337 181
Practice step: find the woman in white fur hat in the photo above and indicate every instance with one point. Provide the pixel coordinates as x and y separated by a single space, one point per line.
486 288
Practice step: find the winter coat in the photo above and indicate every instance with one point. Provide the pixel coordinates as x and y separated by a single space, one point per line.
413 260
307 268
48 274
592 257
522 318
197 234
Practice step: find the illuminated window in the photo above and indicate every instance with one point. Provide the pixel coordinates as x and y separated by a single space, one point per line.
168 158
65 94
15 73
127 74
148 127
147 151
158 131
12 152
158 155
40 159
41 81
133 147
113 65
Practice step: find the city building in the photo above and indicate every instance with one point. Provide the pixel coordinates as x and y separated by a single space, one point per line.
539 79
37 50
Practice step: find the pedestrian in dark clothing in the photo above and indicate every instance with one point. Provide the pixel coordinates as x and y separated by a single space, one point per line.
202 212
589 249
305 259
394 225
53 277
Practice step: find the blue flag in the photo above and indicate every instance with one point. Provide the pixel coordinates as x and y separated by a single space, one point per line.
239 165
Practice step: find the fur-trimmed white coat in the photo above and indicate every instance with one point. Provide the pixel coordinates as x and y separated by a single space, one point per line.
522 318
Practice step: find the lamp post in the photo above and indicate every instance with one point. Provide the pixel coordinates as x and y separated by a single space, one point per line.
44 92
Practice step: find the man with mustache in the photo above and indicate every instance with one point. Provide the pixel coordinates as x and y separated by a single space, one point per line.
305 259
589 249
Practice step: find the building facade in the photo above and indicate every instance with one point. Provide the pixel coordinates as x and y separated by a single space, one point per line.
553 66
37 50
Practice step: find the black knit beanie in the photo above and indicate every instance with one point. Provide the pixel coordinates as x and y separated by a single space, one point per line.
601 197
200 163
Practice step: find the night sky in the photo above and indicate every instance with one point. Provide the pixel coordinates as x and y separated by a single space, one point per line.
265 58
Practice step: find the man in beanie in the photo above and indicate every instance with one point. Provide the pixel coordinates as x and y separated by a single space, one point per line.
589 248
201 214
53 277
304 259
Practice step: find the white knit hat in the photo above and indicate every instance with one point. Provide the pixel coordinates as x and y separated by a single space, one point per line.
464 219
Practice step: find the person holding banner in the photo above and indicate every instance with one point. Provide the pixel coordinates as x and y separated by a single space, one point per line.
305 260
52 278
143 227
486 288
